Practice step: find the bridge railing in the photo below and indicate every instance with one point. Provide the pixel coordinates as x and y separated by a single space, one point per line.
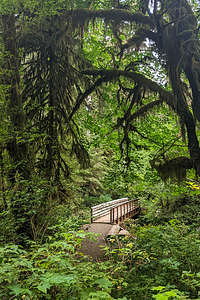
103 209
117 210
123 211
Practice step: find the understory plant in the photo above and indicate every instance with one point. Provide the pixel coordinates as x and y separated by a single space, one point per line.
54 270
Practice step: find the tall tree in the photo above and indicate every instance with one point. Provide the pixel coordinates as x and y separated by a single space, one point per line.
170 29
18 150
42 55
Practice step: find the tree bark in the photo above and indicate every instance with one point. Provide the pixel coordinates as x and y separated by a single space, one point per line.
16 145
17 150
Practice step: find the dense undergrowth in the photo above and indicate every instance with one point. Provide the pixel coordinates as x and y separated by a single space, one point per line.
159 260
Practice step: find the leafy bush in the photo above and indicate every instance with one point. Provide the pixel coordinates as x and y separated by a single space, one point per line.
160 255
55 270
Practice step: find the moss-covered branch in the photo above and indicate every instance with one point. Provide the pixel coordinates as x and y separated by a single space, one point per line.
119 15
144 109
83 96
149 84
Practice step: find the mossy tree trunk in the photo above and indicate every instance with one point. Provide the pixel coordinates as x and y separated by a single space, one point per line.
16 145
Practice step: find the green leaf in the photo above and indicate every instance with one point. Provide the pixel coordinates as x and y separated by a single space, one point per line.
104 283
44 287
17 290
158 288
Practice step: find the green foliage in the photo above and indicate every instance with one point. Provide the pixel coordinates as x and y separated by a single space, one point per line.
165 295
162 259
164 202
116 124
53 270
154 262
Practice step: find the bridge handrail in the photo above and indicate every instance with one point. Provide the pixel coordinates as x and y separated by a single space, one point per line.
128 207
103 209
110 203
110 207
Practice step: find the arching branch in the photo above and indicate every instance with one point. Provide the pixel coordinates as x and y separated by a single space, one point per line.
149 84
83 96
110 75
80 16
140 36
144 109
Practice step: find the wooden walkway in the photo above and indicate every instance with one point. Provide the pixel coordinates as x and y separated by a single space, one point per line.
114 212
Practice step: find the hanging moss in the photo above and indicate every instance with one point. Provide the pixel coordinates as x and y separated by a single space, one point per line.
174 169
83 15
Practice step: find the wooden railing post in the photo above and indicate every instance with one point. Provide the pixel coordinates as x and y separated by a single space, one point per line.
111 216
91 215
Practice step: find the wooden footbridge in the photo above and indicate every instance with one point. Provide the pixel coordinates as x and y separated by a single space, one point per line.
114 212
105 221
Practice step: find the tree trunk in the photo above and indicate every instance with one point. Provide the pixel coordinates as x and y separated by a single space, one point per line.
173 46
52 131
16 145
17 150
187 117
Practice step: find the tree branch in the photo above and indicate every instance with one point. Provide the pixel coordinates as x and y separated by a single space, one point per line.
119 15
143 110
149 84
83 96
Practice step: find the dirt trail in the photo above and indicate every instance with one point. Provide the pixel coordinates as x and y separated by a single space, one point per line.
95 248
